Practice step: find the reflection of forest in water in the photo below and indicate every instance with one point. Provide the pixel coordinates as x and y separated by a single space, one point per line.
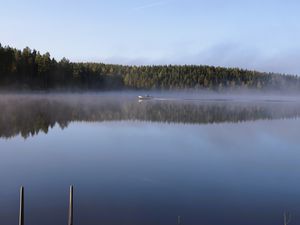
28 115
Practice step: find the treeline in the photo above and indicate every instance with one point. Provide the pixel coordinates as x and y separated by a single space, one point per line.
29 69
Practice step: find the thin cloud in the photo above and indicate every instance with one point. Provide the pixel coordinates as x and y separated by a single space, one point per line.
247 57
224 54
150 5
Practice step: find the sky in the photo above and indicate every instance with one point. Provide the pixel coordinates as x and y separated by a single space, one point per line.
258 34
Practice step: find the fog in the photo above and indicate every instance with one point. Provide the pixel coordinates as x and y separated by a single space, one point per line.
31 113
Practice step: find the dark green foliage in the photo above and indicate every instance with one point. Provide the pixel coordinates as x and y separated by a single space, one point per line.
28 69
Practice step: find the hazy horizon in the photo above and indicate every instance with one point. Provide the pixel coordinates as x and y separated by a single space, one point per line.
254 35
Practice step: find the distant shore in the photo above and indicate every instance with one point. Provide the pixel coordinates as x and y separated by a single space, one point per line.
30 70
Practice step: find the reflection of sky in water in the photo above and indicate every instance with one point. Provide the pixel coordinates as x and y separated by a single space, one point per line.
148 173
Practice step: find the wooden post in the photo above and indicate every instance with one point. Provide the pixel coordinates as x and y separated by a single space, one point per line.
21 212
179 220
287 218
70 221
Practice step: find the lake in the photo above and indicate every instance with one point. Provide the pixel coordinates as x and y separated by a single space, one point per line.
210 159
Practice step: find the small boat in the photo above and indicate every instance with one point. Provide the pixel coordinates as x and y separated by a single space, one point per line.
145 97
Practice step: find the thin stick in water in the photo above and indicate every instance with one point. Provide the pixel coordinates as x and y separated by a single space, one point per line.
21 212
70 221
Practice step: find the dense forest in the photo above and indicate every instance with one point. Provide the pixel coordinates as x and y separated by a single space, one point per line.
28 115
30 70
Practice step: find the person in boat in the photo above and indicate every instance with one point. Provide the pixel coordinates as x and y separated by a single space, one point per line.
145 97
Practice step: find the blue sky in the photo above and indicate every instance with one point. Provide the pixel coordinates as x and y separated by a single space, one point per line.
257 34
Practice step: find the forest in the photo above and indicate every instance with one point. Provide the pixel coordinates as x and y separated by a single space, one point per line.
28 69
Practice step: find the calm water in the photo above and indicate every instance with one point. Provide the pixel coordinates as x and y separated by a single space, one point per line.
211 161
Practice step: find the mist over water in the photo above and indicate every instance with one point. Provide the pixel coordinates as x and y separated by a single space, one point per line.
209 158
31 113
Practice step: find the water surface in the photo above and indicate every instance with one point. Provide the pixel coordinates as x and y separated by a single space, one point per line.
209 160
